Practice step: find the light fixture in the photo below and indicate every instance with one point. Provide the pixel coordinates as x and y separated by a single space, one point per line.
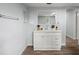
48 3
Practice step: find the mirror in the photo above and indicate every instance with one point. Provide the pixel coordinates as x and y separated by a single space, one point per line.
46 19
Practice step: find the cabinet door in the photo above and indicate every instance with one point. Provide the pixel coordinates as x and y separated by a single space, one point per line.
47 41
39 40
53 41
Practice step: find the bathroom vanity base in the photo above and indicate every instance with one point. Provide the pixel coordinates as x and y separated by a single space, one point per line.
47 40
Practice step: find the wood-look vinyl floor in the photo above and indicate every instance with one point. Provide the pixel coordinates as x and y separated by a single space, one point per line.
71 48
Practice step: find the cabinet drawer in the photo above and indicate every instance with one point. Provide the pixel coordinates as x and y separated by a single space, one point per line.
47 41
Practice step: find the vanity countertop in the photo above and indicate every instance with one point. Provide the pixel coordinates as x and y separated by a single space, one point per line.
48 31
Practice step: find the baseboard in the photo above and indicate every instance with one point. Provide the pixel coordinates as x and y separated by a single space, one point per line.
71 37
23 49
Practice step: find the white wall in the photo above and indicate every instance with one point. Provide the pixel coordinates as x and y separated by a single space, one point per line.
71 23
60 16
78 25
72 17
33 13
12 36
32 24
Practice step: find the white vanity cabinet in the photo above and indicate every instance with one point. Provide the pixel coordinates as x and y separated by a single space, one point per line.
47 40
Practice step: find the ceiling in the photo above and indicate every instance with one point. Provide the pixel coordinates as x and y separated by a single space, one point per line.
52 5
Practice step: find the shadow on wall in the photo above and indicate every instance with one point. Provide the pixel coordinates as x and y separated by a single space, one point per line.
29 28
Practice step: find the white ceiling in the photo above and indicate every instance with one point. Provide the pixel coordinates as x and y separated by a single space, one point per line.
52 5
